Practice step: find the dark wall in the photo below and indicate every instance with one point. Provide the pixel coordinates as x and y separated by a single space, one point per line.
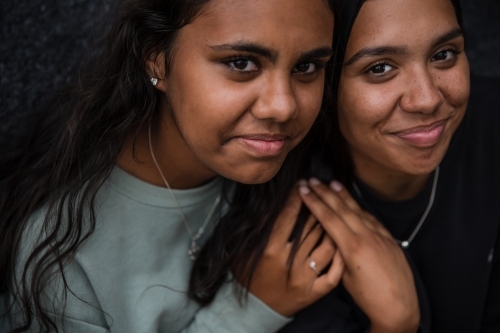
43 41
482 28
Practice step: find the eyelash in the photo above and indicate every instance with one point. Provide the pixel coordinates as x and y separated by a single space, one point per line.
379 63
387 63
319 65
454 52
232 60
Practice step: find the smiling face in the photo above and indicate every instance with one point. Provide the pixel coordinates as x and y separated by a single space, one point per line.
404 85
244 87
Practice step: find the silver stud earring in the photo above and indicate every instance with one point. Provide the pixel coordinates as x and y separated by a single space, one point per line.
154 81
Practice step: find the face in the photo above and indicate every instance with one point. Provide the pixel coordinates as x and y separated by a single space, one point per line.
404 85
245 85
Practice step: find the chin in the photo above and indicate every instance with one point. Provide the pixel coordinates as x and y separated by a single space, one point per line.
253 175
420 167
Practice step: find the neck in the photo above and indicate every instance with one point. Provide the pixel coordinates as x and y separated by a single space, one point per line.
177 163
387 183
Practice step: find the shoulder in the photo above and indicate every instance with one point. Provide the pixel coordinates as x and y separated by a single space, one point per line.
67 296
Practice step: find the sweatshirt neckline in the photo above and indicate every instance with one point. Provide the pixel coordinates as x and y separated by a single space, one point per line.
141 191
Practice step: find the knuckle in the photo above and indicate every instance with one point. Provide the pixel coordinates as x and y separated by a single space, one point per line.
343 210
328 215
355 247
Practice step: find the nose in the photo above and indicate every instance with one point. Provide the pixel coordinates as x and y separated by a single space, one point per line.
422 94
277 100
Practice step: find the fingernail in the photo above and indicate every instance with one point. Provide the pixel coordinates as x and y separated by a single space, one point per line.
314 181
304 189
336 186
302 182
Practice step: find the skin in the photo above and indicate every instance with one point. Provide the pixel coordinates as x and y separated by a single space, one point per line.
244 87
398 109
383 95
376 272
246 77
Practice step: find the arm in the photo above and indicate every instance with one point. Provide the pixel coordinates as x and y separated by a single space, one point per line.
82 312
227 315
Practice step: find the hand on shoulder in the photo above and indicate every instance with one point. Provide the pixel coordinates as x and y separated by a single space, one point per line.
377 274
288 286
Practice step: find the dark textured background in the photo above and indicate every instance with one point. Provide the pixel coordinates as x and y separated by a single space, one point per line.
42 43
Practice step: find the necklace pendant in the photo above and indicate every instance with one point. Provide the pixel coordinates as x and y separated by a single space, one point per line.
405 244
192 251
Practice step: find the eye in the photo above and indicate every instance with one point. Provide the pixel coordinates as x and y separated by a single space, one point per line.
306 68
380 69
243 65
444 55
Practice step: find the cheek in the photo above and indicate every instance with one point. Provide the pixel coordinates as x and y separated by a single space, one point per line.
309 99
456 85
206 109
363 108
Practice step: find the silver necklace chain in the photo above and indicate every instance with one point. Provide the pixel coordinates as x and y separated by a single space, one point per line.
406 243
194 238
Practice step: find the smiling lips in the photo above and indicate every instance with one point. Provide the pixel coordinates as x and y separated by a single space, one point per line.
264 145
423 136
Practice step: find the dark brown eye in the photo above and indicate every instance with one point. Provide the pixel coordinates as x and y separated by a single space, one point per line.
240 64
306 68
379 69
443 55
302 68
243 65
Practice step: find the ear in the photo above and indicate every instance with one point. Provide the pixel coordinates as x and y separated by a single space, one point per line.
155 68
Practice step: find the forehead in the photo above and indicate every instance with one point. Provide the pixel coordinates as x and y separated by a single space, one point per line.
285 19
401 22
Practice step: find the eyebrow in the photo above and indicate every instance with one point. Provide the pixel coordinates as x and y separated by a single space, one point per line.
272 55
248 47
376 51
447 37
320 52
399 50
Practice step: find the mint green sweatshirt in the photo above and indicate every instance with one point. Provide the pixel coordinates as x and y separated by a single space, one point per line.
131 275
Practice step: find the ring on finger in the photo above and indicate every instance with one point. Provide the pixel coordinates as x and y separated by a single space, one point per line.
313 266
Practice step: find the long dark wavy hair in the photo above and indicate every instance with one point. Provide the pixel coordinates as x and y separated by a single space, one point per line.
242 234
75 144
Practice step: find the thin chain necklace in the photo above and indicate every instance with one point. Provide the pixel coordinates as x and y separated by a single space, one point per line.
194 245
406 243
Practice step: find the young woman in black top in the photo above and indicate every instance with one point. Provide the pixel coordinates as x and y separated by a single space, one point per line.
417 146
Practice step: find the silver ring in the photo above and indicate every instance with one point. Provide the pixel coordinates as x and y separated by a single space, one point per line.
312 264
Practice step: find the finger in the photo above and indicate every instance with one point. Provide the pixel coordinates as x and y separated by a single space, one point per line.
311 221
326 282
342 192
334 226
285 222
323 254
309 243
370 221
334 199
335 202
378 226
